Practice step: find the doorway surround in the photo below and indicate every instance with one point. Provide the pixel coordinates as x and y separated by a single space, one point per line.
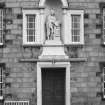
41 65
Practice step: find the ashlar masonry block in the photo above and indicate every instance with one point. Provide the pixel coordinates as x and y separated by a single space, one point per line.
12 4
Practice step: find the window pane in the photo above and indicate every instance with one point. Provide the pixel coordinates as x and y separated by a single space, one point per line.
31 38
76 18
1 90
104 85
104 32
104 78
0 71
1 79
31 18
31 25
31 32
103 23
104 70
75 39
76 25
1 74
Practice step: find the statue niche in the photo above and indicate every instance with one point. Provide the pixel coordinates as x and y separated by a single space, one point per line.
52 26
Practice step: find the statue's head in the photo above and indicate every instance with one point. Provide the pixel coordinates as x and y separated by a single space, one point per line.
52 12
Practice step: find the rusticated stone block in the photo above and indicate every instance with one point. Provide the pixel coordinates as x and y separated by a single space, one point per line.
17 10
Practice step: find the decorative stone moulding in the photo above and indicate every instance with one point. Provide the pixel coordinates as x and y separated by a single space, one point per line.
54 60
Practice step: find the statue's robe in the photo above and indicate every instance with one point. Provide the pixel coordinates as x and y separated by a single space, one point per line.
50 24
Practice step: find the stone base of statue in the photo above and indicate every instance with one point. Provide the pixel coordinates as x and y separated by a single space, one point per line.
53 49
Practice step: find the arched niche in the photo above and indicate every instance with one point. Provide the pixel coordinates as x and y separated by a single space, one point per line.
57 6
64 3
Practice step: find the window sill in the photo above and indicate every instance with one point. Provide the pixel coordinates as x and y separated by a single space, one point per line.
103 43
75 45
1 44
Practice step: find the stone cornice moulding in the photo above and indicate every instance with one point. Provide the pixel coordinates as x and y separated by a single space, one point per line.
54 60
35 8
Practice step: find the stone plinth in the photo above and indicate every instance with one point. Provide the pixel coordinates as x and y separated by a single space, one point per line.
53 49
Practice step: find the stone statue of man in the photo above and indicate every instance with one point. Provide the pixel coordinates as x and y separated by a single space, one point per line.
51 25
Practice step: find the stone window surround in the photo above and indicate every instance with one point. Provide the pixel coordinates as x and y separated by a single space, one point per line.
68 26
41 28
38 26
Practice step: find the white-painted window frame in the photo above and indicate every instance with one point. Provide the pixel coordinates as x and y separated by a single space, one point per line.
81 13
2 26
37 26
103 88
104 25
1 81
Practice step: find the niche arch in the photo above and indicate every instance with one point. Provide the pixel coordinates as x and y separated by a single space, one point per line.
64 3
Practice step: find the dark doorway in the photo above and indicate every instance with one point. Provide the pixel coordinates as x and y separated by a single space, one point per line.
53 86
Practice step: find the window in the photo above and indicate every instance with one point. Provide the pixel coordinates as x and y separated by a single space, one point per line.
104 82
1 82
1 26
104 24
74 27
31 27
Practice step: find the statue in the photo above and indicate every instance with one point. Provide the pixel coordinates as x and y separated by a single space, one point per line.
51 25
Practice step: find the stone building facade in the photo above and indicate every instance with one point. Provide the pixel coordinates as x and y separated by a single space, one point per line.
25 67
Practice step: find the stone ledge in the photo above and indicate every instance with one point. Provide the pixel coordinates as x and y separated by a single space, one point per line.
31 45
54 60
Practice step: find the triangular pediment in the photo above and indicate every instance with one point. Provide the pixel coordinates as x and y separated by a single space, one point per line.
64 3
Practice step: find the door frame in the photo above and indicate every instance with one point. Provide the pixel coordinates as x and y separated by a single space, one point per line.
41 65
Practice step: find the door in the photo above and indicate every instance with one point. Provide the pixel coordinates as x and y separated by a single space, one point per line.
53 86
